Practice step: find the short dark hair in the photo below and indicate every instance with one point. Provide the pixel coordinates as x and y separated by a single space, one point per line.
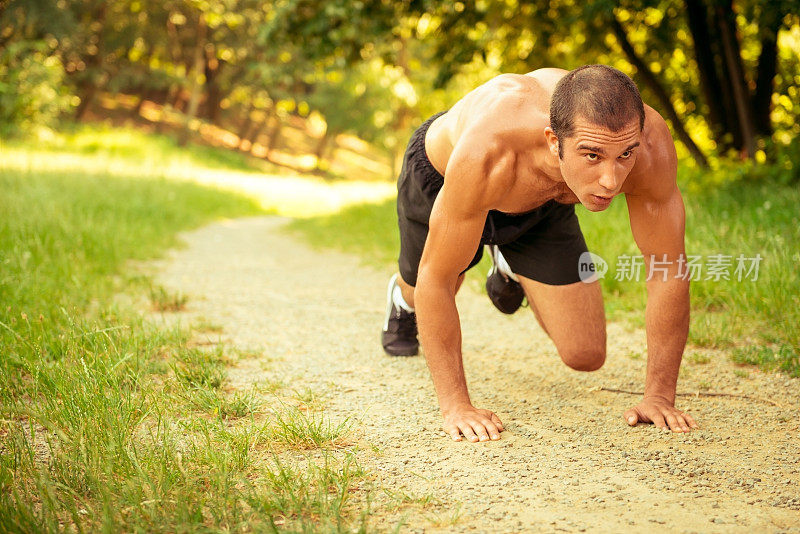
601 94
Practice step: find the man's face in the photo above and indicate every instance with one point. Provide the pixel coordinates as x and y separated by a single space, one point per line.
596 161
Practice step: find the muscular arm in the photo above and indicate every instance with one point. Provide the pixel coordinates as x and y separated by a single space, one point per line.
455 228
657 219
452 241
658 229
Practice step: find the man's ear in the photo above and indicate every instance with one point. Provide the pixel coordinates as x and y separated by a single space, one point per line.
552 140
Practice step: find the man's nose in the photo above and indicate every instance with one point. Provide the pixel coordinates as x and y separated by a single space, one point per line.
611 177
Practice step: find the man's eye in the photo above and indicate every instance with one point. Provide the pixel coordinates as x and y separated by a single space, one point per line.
592 157
626 154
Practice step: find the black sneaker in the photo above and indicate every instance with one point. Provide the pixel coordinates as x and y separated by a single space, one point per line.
399 336
505 293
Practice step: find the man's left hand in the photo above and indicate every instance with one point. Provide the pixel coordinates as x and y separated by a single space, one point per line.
661 413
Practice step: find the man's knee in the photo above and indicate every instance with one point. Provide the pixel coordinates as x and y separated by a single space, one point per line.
584 359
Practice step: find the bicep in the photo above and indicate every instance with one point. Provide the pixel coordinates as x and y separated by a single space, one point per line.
658 224
453 238
477 172
656 208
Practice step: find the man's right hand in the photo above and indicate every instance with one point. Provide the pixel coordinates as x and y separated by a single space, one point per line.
475 424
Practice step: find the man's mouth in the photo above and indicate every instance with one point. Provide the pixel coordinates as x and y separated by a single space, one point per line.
603 201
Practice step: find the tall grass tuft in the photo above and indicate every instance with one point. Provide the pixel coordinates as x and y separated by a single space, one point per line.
300 429
295 498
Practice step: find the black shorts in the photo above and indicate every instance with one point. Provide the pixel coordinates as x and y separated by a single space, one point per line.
544 244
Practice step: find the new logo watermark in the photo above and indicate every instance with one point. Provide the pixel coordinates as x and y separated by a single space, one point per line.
591 267
694 268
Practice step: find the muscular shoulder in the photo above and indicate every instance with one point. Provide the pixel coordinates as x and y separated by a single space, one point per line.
488 130
482 167
507 103
654 174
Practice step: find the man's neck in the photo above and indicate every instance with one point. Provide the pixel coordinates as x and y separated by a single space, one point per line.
549 166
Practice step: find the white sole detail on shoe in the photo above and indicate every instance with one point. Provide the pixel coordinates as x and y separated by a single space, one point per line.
389 301
399 301
499 262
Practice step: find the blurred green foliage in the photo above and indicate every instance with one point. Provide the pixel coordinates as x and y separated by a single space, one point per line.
32 91
724 73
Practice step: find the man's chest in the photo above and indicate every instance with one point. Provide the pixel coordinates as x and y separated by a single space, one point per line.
529 190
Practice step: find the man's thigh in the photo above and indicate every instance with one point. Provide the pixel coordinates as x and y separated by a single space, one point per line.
574 318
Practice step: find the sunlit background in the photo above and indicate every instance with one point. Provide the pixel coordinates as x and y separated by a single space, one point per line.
124 123
336 87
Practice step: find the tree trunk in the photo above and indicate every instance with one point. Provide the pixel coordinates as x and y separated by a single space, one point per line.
178 103
249 131
263 127
697 19
87 96
252 131
143 90
173 96
94 66
258 130
655 86
274 135
733 138
213 90
320 150
765 76
733 60
324 152
4 40
197 84
244 129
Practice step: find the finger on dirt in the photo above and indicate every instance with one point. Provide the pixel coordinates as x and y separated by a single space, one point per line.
453 432
480 430
690 420
682 422
497 422
491 428
631 417
659 421
673 423
468 432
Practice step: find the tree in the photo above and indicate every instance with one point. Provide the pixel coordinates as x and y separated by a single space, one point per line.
721 71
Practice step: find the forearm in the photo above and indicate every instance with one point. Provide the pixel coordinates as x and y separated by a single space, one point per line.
667 323
440 336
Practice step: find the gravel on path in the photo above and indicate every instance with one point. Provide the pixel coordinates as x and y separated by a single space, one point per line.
567 461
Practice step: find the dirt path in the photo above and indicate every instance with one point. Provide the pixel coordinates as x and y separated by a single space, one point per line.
567 462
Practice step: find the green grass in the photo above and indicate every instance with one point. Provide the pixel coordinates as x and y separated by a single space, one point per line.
316 497
166 301
197 368
308 430
369 230
758 318
109 423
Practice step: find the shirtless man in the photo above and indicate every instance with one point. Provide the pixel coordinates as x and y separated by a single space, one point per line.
504 167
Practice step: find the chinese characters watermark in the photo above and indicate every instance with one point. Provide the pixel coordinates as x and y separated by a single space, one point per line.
695 268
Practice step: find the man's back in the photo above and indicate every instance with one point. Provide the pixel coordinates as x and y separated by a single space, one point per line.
505 118
509 111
